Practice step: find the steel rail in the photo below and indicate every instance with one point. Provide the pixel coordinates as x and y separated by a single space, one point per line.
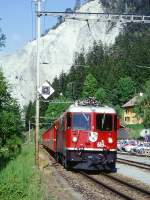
132 154
134 163
107 186
114 190
128 184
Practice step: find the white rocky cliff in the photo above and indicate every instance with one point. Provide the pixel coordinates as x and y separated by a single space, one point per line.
56 48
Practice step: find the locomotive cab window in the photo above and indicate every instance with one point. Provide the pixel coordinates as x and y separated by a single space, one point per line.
81 121
68 120
115 122
104 122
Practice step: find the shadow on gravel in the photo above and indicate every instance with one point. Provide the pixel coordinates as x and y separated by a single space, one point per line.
88 172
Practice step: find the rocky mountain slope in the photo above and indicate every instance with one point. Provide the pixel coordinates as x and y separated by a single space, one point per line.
57 48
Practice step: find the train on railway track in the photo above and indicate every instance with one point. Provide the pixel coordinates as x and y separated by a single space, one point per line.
84 137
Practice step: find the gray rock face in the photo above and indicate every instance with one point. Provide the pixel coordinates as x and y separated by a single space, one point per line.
56 48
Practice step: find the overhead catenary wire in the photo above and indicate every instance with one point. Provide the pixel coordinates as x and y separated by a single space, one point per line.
105 17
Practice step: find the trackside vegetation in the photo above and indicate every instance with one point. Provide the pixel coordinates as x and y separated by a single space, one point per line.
10 124
10 119
20 179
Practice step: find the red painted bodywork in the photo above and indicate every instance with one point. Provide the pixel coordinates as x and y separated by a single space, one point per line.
49 138
59 137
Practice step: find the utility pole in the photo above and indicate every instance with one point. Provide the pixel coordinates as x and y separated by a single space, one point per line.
38 33
29 138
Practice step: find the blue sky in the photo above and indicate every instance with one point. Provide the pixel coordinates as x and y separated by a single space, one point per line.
18 20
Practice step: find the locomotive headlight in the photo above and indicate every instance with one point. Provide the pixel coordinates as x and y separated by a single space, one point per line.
93 136
74 139
110 140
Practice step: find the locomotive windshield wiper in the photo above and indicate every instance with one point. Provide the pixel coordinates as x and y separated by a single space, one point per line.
86 117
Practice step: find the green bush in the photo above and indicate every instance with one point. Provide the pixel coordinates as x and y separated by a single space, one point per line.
134 130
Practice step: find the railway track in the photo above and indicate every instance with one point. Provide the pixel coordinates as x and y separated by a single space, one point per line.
119 187
134 163
106 184
132 154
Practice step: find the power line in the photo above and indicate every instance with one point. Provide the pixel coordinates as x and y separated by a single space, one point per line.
99 17
57 102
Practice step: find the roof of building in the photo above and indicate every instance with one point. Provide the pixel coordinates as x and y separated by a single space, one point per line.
132 102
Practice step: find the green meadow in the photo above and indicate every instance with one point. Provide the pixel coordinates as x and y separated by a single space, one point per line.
20 179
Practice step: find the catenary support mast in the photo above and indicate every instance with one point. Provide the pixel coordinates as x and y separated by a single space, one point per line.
38 33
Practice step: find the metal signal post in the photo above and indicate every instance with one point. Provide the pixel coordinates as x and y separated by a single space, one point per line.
38 31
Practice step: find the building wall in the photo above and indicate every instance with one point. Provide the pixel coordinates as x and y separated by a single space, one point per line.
130 116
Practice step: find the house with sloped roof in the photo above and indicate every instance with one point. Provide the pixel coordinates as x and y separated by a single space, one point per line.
129 115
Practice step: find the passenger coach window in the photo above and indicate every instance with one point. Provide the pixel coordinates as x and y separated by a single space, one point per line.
104 122
81 121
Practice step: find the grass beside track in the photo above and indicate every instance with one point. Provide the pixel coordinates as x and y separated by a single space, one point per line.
20 180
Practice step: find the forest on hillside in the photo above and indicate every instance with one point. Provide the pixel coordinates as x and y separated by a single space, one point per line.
112 74
111 67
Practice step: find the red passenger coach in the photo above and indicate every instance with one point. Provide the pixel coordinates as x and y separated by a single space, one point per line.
85 137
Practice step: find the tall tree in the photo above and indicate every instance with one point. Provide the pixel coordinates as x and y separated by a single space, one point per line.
90 86
126 89
101 96
10 114
10 118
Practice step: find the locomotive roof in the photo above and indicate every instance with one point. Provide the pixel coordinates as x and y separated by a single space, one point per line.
97 109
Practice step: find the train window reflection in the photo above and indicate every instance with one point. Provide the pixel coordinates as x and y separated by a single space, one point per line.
81 121
104 122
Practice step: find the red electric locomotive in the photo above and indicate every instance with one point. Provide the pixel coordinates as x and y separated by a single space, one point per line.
84 137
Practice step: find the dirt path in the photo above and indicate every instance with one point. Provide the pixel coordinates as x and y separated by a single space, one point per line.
54 186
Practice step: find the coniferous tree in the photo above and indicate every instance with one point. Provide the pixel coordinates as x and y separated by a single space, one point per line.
10 118
101 96
126 89
89 87
10 115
